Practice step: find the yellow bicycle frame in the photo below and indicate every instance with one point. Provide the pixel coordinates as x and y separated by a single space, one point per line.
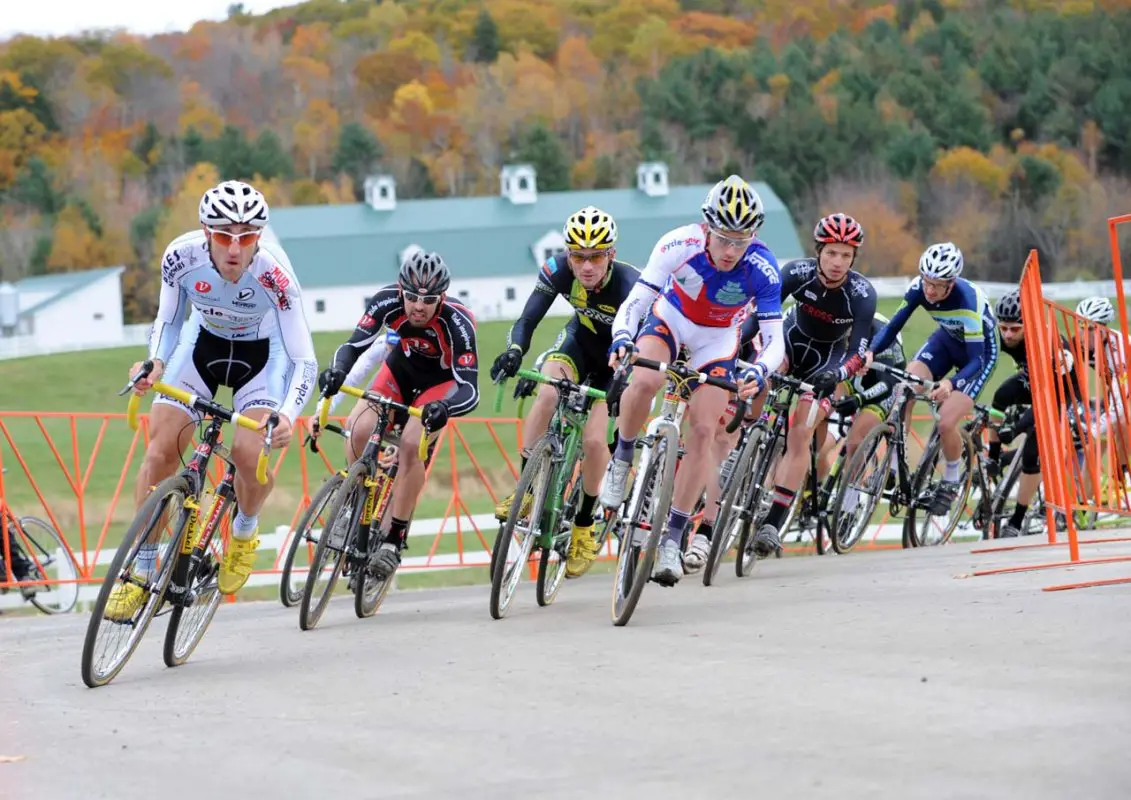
324 416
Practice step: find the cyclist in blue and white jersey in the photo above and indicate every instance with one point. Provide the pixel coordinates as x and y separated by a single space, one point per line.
247 331
697 281
965 340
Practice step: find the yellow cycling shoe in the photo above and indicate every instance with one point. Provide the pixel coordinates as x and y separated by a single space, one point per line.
582 550
125 600
236 566
503 509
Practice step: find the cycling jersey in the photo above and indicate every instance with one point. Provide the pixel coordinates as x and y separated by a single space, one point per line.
829 319
594 310
965 338
264 305
440 351
693 298
876 388
371 358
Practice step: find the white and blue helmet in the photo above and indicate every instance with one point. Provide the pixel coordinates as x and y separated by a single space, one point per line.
941 262
1097 309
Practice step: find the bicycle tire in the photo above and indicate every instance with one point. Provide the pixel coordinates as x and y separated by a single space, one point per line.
368 591
732 507
864 453
551 574
763 467
206 603
329 550
916 511
147 516
68 593
536 478
288 596
663 458
1002 492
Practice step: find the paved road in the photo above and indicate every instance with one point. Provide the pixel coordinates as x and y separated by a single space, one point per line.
871 676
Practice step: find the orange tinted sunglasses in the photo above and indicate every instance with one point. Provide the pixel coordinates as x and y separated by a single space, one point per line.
225 239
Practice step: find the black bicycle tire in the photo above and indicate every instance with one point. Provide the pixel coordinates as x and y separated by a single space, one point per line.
540 458
176 484
325 491
924 469
354 479
50 532
170 653
1001 492
364 605
745 561
863 452
739 482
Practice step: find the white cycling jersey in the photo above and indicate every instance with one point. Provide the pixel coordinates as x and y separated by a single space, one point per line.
265 304
366 363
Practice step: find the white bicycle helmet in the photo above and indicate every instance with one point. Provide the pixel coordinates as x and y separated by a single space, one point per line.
1097 309
941 262
233 203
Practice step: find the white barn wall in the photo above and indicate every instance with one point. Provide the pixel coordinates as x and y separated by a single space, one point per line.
73 318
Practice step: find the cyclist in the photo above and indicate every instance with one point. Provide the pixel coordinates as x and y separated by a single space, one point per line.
964 340
596 285
697 281
825 342
1112 369
435 368
247 331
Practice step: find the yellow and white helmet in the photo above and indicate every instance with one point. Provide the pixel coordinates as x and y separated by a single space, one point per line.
590 229
733 205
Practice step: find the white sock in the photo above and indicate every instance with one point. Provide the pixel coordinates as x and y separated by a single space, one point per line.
145 565
243 526
894 460
952 470
851 498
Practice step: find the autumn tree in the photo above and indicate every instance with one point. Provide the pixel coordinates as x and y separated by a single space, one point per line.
357 154
484 46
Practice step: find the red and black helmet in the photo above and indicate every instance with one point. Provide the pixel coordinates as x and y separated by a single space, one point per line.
839 229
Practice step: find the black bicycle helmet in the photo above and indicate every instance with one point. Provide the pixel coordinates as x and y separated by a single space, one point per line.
424 273
1008 308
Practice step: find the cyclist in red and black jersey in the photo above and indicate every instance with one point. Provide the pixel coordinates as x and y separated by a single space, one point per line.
435 368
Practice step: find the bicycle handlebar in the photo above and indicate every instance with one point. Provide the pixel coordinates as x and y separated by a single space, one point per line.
684 372
207 406
380 399
799 386
562 384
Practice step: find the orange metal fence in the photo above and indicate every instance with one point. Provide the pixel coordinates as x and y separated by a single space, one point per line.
1084 424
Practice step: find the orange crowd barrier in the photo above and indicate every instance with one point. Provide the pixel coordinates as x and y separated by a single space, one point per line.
1084 423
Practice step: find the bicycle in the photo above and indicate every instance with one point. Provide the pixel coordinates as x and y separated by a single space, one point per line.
640 529
186 573
744 499
553 480
810 509
356 516
305 534
52 583
978 462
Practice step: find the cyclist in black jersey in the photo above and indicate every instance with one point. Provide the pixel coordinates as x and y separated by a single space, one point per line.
834 303
596 285
1016 391
871 391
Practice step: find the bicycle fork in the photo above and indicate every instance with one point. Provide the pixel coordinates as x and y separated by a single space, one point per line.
198 535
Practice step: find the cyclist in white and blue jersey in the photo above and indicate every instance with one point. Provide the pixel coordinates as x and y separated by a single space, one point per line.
965 341
697 281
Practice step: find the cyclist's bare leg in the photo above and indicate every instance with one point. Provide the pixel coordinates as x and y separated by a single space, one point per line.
701 458
794 462
170 434
635 402
863 424
410 471
360 425
724 443
594 444
954 409
826 454
246 447
1027 486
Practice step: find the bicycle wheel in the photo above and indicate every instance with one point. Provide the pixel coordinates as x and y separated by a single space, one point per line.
305 535
1003 492
188 623
860 489
552 560
764 464
922 528
733 507
326 566
510 556
649 512
52 561
105 649
368 590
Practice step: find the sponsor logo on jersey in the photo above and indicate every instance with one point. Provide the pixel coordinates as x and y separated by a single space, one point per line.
809 294
466 360
592 313
731 294
824 316
366 322
718 372
276 283
172 267
419 345
609 309
245 294
858 286
690 241
204 287
239 304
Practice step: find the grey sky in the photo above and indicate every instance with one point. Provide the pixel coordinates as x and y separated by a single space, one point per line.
63 17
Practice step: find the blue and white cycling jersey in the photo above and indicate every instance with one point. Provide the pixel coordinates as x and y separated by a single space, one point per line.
681 273
965 318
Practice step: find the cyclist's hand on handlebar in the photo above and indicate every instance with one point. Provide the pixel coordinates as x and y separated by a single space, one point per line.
621 348
330 381
507 363
825 382
434 416
751 382
146 383
281 435
524 387
847 406
942 391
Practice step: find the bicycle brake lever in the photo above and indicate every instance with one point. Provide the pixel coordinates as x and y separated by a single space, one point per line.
146 368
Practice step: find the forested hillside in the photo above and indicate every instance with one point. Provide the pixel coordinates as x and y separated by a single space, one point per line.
1001 125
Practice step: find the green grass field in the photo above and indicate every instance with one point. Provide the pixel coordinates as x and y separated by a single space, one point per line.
86 383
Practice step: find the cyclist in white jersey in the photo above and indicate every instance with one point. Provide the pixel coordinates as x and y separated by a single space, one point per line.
247 331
